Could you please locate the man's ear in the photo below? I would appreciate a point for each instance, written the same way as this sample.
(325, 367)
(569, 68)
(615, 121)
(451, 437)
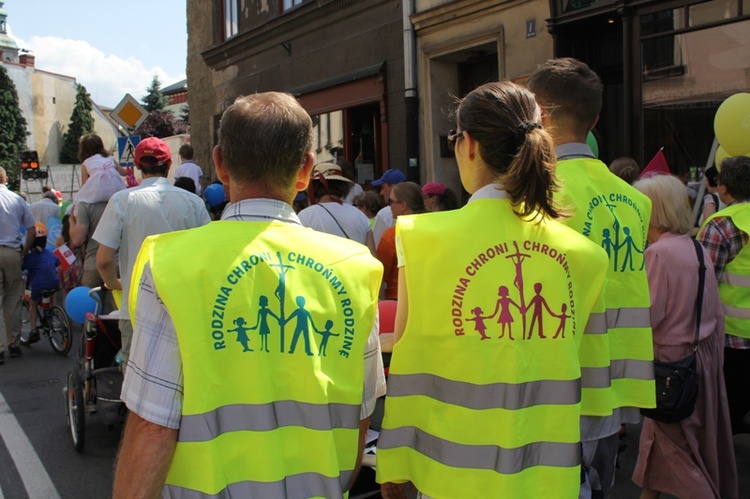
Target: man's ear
(303, 176)
(595, 122)
(221, 170)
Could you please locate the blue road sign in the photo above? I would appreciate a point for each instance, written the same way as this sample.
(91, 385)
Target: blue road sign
(126, 147)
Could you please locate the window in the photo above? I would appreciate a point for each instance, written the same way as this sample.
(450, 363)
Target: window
(288, 4)
(230, 18)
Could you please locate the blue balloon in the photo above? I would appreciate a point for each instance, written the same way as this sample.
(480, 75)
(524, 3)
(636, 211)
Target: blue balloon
(214, 195)
(78, 303)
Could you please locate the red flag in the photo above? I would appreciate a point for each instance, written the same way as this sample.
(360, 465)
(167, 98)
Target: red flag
(657, 166)
(66, 257)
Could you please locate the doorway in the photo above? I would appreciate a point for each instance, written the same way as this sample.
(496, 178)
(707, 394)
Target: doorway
(598, 41)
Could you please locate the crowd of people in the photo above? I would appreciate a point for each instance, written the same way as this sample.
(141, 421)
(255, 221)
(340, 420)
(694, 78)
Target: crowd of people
(530, 309)
(105, 220)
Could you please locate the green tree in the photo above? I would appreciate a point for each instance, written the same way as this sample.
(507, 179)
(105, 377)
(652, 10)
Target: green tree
(81, 123)
(185, 114)
(12, 129)
(154, 100)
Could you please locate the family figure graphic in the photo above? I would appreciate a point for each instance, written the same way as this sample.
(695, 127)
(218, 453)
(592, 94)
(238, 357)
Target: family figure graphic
(537, 307)
(302, 317)
(613, 247)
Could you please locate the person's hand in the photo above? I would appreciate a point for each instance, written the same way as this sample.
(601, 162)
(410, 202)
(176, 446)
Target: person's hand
(390, 490)
(117, 284)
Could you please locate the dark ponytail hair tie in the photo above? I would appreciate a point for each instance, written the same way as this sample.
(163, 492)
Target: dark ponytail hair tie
(526, 126)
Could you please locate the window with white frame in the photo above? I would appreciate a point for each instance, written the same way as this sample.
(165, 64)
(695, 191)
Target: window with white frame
(288, 4)
(230, 18)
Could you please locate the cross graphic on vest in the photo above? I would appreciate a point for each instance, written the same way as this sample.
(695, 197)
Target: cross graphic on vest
(280, 294)
(538, 306)
(517, 258)
(613, 247)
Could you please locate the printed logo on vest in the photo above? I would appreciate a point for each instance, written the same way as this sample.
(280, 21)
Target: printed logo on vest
(531, 304)
(624, 253)
(272, 318)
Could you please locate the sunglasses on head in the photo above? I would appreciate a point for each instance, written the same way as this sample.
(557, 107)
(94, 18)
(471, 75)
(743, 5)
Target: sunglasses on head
(453, 135)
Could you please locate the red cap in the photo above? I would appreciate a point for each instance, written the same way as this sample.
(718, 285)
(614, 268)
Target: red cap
(155, 151)
(433, 188)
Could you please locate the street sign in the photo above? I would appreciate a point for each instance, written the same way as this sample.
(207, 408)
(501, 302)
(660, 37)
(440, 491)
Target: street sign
(126, 147)
(129, 113)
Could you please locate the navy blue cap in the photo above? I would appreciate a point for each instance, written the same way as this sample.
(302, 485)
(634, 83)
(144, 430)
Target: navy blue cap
(390, 177)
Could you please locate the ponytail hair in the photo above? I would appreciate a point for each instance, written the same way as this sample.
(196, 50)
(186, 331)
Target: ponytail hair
(505, 120)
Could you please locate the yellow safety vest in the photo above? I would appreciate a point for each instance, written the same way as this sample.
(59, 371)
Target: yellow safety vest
(484, 386)
(734, 285)
(271, 320)
(615, 216)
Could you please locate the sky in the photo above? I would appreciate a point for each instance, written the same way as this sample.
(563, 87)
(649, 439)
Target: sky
(112, 48)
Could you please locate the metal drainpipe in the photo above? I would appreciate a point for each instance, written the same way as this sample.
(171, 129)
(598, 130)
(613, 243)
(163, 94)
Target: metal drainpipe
(411, 97)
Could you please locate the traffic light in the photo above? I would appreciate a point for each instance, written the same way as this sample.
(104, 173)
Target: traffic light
(30, 166)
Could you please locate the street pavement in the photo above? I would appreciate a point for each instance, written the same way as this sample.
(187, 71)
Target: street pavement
(37, 458)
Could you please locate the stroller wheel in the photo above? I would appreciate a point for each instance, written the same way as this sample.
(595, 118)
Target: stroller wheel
(76, 411)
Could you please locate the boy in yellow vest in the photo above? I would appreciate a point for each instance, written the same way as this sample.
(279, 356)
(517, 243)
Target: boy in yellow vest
(615, 216)
(212, 413)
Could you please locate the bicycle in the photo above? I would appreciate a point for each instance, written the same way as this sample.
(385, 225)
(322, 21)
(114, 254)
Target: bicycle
(53, 323)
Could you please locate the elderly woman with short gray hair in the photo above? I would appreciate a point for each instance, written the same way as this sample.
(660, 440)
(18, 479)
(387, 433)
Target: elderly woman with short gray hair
(692, 458)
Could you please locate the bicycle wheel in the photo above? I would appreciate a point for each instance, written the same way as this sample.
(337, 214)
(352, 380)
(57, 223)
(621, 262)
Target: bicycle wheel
(76, 410)
(60, 336)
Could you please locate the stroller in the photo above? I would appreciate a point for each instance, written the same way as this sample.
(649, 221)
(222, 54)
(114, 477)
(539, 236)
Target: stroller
(94, 388)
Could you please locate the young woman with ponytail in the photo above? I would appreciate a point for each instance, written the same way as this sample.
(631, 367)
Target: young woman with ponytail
(484, 385)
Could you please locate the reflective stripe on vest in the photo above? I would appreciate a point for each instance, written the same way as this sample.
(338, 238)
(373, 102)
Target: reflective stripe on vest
(482, 457)
(615, 216)
(736, 312)
(597, 324)
(600, 377)
(492, 396)
(734, 284)
(302, 485)
(736, 279)
(267, 417)
(638, 317)
(271, 328)
(635, 317)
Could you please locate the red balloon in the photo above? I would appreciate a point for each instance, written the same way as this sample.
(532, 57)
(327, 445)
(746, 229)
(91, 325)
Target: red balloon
(387, 311)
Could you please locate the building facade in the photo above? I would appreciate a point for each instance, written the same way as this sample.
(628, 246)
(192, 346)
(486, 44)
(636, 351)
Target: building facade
(177, 98)
(47, 101)
(343, 59)
(382, 79)
(666, 66)
(461, 45)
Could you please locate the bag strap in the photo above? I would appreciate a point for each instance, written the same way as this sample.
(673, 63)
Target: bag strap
(334, 219)
(701, 285)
